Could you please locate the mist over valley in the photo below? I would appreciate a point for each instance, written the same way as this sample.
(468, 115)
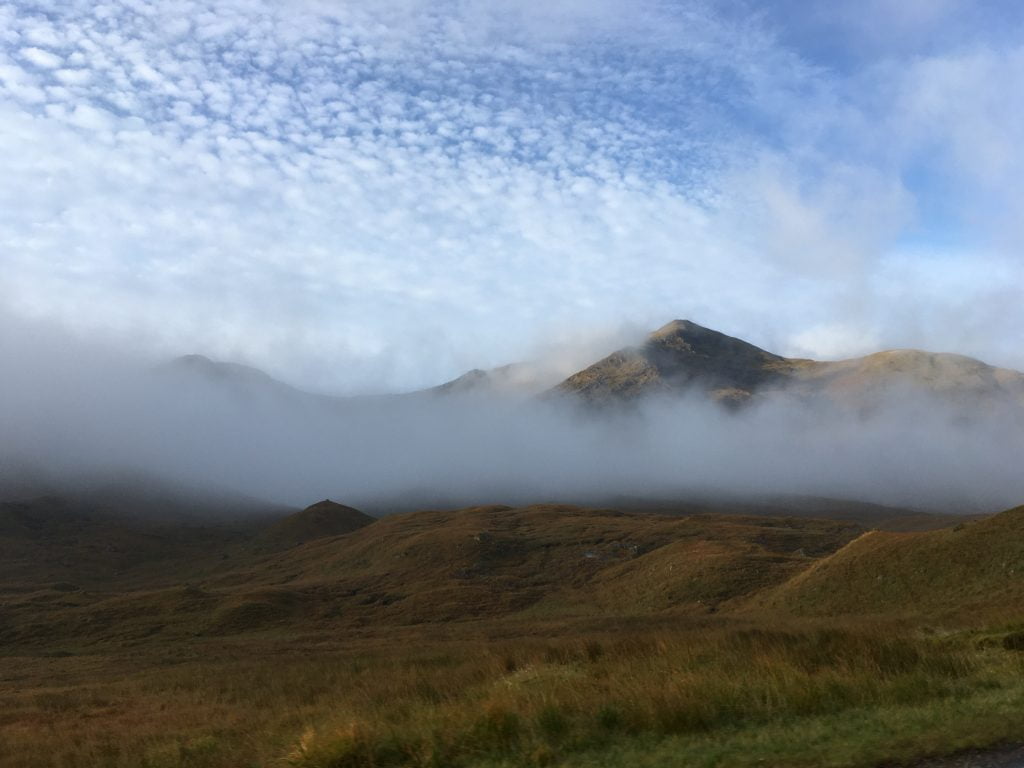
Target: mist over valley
(687, 413)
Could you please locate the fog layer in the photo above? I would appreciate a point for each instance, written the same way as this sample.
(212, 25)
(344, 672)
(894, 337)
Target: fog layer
(70, 410)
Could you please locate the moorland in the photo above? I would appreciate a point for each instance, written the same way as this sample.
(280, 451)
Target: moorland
(545, 635)
(144, 626)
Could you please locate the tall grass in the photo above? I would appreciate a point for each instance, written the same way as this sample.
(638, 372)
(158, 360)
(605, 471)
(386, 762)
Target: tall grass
(531, 703)
(455, 700)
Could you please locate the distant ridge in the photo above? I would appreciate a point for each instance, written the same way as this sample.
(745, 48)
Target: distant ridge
(236, 375)
(683, 356)
(516, 379)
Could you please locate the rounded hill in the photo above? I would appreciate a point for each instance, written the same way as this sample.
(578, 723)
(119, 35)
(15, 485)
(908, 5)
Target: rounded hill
(318, 521)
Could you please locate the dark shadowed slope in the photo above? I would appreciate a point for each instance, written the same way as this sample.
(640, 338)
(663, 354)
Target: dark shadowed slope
(75, 544)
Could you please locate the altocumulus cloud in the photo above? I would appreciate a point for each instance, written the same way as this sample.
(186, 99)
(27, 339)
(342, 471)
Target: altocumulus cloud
(377, 195)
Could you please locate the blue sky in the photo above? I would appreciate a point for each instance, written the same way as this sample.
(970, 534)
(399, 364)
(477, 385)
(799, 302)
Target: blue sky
(380, 195)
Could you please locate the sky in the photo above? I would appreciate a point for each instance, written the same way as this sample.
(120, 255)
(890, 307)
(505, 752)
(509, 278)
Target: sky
(367, 196)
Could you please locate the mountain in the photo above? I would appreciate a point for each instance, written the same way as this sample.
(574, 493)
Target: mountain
(199, 374)
(685, 357)
(233, 374)
(680, 356)
(516, 379)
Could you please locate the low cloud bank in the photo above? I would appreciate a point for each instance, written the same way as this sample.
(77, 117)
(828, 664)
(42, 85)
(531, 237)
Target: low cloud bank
(70, 410)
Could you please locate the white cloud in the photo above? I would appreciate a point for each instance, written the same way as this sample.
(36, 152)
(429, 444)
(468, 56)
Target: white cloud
(91, 118)
(43, 34)
(41, 58)
(73, 76)
(360, 196)
(832, 342)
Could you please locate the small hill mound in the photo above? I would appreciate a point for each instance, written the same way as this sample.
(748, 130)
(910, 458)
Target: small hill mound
(318, 521)
(971, 567)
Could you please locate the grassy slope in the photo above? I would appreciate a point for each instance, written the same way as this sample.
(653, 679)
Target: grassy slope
(498, 636)
(968, 569)
(556, 561)
(550, 560)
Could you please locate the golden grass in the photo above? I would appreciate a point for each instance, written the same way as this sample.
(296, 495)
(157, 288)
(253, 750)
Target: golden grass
(967, 571)
(486, 694)
(543, 704)
(542, 636)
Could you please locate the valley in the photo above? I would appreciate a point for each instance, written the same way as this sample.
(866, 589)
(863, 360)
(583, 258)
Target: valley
(544, 635)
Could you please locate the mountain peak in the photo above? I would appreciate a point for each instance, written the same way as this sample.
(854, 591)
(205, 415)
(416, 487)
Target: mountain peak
(699, 336)
(678, 356)
(680, 326)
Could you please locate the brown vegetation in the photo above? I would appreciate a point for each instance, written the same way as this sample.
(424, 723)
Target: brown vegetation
(498, 636)
(968, 570)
